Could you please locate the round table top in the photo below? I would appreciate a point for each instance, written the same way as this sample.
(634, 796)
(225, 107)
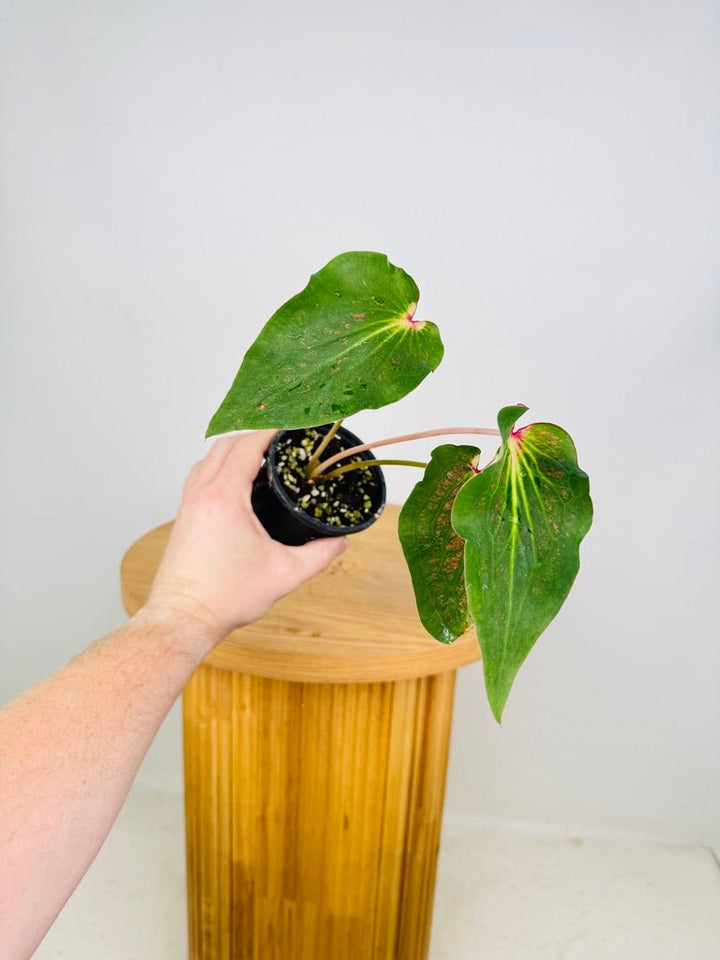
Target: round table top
(354, 623)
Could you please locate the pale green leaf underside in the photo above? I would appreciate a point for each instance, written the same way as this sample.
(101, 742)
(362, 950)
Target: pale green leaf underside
(433, 551)
(344, 344)
(523, 518)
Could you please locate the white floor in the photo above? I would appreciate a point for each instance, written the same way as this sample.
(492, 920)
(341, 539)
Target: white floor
(501, 895)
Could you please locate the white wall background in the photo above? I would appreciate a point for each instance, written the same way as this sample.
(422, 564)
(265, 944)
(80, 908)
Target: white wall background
(548, 172)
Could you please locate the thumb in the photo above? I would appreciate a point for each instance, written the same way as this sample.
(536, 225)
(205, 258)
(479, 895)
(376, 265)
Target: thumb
(314, 556)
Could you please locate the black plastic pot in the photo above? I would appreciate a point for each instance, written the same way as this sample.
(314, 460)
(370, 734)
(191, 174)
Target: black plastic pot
(288, 523)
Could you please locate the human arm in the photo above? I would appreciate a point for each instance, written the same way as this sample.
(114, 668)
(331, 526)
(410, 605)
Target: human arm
(70, 747)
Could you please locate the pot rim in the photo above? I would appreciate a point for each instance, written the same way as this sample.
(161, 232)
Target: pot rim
(318, 526)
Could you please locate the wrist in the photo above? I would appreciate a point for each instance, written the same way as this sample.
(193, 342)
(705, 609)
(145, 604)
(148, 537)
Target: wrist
(187, 632)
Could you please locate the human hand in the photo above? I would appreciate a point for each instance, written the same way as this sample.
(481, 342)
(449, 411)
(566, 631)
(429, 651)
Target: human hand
(220, 567)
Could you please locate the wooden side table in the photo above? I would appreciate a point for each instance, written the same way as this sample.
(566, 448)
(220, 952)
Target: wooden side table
(316, 745)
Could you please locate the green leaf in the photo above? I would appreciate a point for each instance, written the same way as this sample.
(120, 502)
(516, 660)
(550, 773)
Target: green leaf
(523, 518)
(347, 342)
(506, 419)
(433, 551)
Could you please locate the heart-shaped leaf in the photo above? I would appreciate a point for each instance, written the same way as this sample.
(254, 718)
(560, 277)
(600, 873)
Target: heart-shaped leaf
(433, 551)
(523, 518)
(347, 342)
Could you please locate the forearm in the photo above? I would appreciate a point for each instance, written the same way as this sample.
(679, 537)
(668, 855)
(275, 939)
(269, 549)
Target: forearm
(70, 747)
(69, 750)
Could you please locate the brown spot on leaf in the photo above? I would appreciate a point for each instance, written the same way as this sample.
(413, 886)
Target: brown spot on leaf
(451, 564)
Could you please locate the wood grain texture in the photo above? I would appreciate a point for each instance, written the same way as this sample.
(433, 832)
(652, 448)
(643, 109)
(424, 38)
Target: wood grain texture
(316, 745)
(313, 815)
(355, 623)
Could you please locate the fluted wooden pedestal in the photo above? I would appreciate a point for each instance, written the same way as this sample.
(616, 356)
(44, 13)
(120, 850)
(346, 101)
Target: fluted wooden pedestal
(316, 748)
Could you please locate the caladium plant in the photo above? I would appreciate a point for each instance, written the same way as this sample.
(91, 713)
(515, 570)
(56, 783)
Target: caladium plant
(494, 546)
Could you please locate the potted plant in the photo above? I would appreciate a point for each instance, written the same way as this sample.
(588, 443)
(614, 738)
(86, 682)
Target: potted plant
(496, 546)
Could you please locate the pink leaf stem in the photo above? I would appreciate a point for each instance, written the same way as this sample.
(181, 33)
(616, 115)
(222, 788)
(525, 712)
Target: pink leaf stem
(441, 432)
